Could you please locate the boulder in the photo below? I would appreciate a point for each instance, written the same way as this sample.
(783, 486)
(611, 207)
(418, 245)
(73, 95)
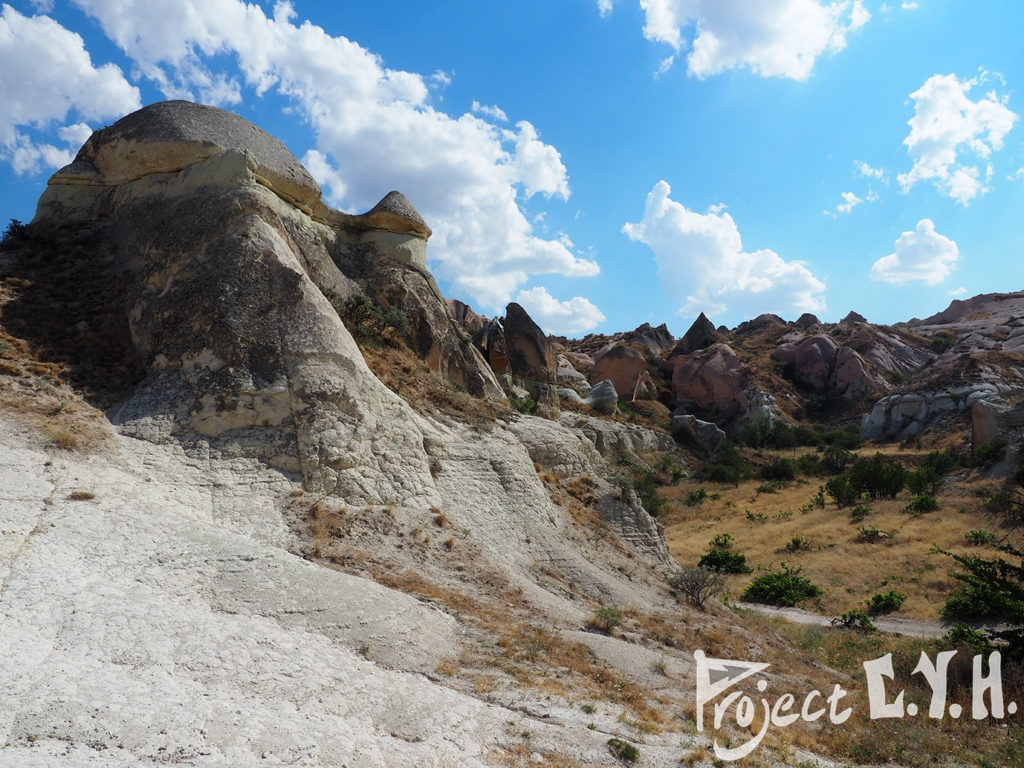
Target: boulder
(819, 363)
(569, 376)
(853, 377)
(814, 360)
(624, 366)
(581, 362)
(711, 381)
(529, 353)
(704, 436)
(602, 397)
(853, 317)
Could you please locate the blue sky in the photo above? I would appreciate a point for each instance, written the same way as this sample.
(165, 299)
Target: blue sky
(603, 162)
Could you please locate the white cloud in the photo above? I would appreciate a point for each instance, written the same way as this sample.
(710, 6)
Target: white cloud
(908, 6)
(493, 112)
(921, 256)
(562, 317)
(604, 7)
(945, 126)
(701, 262)
(772, 38)
(868, 172)
(664, 66)
(957, 291)
(375, 130)
(538, 165)
(850, 201)
(51, 76)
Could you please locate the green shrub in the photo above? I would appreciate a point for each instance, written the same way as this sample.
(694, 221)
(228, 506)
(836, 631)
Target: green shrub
(841, 490)
(13, 231)
(647, 489)
(979, 537)
(923, 481)
(371, 324)
(921, 504)
(786, 587)
(623, 750)
(724, 561)
(858, 513)
(797, 544)
(697, 585)
(885, 602)
(855, 620)
(727, 465)
(988, 455)
(696, 498)
(835, 459)
(810, 464)
(767, 488)
(523, 404)
(722, 541)
(871, 534)
(880, 477)
(780, 469)
(606, 618)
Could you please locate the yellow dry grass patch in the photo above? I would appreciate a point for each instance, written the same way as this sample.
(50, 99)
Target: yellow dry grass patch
(838, 559)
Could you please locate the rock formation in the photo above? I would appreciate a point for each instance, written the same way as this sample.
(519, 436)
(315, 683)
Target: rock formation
(231, 256)
(469, 320)
(529, 354)
(819, 363)
(701, 334)
(712, 382)
(625, 367)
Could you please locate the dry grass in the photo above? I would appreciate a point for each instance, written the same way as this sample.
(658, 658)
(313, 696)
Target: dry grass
(837, 559)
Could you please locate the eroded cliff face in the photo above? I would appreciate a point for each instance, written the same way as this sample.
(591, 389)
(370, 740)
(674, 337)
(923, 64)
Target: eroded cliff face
(231, 270)
(252, 438)
(230, 256)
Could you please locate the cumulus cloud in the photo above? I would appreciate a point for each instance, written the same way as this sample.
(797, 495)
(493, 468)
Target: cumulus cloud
(604, 7)
(946, 126)
(538, 165)
(957, 291)
(491, 111)
(772, 38)
(55, 78)
(702, 263)
(922, 256)
(375, 130)
(562, 317)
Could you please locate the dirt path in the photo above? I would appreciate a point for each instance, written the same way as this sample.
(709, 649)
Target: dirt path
(909, 627)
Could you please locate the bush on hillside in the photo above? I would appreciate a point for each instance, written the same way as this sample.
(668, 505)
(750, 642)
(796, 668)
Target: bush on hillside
(786, 588)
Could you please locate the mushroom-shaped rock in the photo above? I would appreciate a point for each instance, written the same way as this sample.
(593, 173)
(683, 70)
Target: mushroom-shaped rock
(395, 213)
(171, 135)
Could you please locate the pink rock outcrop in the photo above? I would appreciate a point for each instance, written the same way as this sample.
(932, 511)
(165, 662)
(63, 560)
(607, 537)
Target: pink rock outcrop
(711, 381)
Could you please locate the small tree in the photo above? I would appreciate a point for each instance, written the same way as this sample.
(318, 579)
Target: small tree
(697, 585)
